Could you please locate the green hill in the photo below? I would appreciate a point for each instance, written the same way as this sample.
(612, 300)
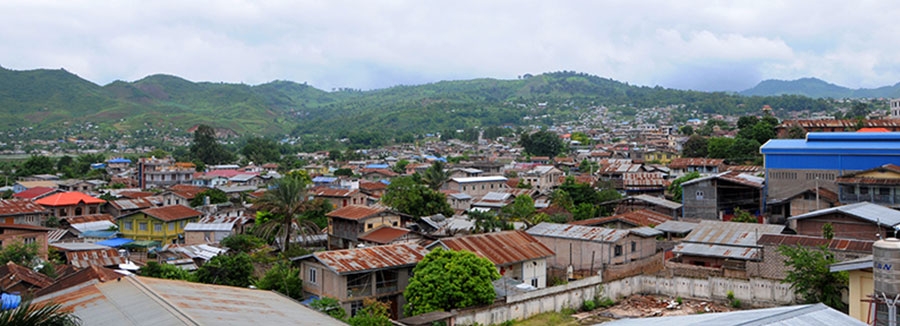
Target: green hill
(51, 99)
(817, 88)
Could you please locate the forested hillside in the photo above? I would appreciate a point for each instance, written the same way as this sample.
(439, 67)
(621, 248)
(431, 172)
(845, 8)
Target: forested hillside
(51, 99)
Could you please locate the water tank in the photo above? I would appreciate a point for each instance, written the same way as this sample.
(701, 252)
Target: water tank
(886, 263)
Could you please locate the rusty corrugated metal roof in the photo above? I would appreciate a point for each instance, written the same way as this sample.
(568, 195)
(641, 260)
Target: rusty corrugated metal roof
(19, 207)
(172, 213)
(644, 217)
(355, 212)
(501, 248)
(97, 257)
(683, 162)
(807, 241)
(384, 235)
(331, 192)
(731, 233)
(349, 261)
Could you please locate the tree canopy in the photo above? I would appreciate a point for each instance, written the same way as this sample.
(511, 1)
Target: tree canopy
(233, 270)
(447, 279)
(810, 276)
(542, 143)
(207, 149)
(410, 197)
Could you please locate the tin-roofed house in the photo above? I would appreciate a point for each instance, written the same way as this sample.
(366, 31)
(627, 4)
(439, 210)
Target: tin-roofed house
(21, 211)
(516, 254)
(726, 246)
(352, 275)
(586, 249)
(347, 224)
(716, 197)
(862, 221)
(476, 186)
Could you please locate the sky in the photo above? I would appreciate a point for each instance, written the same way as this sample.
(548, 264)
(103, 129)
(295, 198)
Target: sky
(370, 44)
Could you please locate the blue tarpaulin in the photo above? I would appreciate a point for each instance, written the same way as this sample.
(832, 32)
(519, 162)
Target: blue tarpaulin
(115, 243)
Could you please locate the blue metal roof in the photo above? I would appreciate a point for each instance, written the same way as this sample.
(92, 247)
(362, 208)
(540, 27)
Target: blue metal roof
(833, 151)
(323, 179)
(377, 166)
(119, 160)
(116, 242)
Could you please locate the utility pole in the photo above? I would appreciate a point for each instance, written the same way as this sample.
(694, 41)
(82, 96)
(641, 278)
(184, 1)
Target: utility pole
(817, 193)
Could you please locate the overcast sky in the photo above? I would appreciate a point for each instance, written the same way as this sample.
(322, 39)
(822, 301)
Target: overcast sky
(366, 44)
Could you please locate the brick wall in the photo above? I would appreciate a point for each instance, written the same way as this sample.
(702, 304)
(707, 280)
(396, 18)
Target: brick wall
(846, 227)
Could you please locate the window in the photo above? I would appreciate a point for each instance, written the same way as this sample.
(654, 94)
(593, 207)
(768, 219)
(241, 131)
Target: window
(534, 282)
(633, 246)
(142, 226)
(157, 227)
(618, 250)
(312, 276)
(30, 240)
(699, 195)
(355, 306)
(369, 226)
(394, 223)
(172, 226)
(128, 225)
(863, 190)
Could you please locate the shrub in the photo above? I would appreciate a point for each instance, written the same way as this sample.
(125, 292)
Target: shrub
(730, 295)
(605, 302)
(736, 303)
(678, 299)
(589, 305)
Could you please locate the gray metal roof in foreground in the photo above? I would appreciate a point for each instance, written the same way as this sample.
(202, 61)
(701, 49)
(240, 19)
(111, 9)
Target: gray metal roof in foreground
(135, 300)
(802, 315)
(576, 232)
(659, 201)
(731, 233)
(864, 210)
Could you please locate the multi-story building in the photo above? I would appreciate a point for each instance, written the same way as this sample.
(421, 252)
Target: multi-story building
(155, 172)
(476, 186)
(347, 224)
(164, 224)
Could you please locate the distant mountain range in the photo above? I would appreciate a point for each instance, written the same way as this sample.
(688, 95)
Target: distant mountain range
(57, 103)
(817, 88)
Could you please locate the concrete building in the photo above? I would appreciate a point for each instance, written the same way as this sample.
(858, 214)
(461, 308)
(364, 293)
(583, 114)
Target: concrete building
(163, 172)
(476, 186)
(586, 248)
(726, 245)
(863, 221)
(347, 224)
(717, 196)
(21, 211)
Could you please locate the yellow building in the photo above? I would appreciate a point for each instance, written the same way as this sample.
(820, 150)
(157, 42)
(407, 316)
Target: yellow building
(164, 224)
(861, 285)
(662, 157)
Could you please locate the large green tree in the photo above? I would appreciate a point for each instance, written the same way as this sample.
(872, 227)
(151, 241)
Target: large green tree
(435, 176)
(234, 270)
(285, 204)
(675, 187)
(447, 279)
(522, 209)
(261, 150)
(166, 271)
(284, 279)
(810, 276)
(695, 146)
(542, 143)
(410, 197)
(216, 196)
(36, 164)
(207, 149)
(373, 313)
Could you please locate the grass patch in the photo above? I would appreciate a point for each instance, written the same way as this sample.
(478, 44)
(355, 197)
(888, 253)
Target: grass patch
(548, 318)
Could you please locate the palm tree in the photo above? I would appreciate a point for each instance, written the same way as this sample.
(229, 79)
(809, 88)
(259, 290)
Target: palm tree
(41, 314)
(435, 176)
(286, 201)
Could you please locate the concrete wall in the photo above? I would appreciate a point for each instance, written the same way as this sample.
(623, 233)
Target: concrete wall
(754, 292)
(788, 182)
(845, 226)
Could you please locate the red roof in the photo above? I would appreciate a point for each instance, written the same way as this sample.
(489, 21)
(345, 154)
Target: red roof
(14, 274)
(331, 192)
(186, 191)
(370, 186)
(355, 212)
(808, 241)
(501, 248)
(384, 235)
(171, 213)
(384, 172)
(19, 207)
(644, 217)
(683, 162)
(69, 198)
(873, 130)
(34, 192)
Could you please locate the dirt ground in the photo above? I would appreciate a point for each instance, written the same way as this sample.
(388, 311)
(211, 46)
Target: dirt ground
(638, 306)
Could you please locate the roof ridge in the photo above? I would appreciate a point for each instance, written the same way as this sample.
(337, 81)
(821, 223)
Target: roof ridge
(153, 295)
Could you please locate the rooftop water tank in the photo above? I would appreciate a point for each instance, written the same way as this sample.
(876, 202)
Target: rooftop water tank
(886, 263)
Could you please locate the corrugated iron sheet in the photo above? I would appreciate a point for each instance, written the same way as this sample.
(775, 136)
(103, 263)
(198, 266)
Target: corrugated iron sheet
(357, 260)
(731, 233)
(502, 248)
(384, 235)
(684, 162)
(355, 212)
(577, 232)
(10, 207)
(714, 250)
(807, 241)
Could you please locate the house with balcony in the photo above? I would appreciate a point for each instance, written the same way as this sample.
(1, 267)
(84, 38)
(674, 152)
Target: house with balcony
(862, 221)
(164, 224)
(543, 177)
(347, 224)
(71, 203)
(352, 275)
(705, 166)
(163, 172)
(880, 185)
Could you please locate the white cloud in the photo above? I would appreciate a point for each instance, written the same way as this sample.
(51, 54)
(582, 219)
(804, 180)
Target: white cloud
(368, 44)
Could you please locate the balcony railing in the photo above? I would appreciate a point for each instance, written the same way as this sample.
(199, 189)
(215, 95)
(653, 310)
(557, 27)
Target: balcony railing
(876, 199)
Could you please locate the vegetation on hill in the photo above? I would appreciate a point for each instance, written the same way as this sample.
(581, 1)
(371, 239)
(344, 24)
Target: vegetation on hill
(817, 88)
(50, 100)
